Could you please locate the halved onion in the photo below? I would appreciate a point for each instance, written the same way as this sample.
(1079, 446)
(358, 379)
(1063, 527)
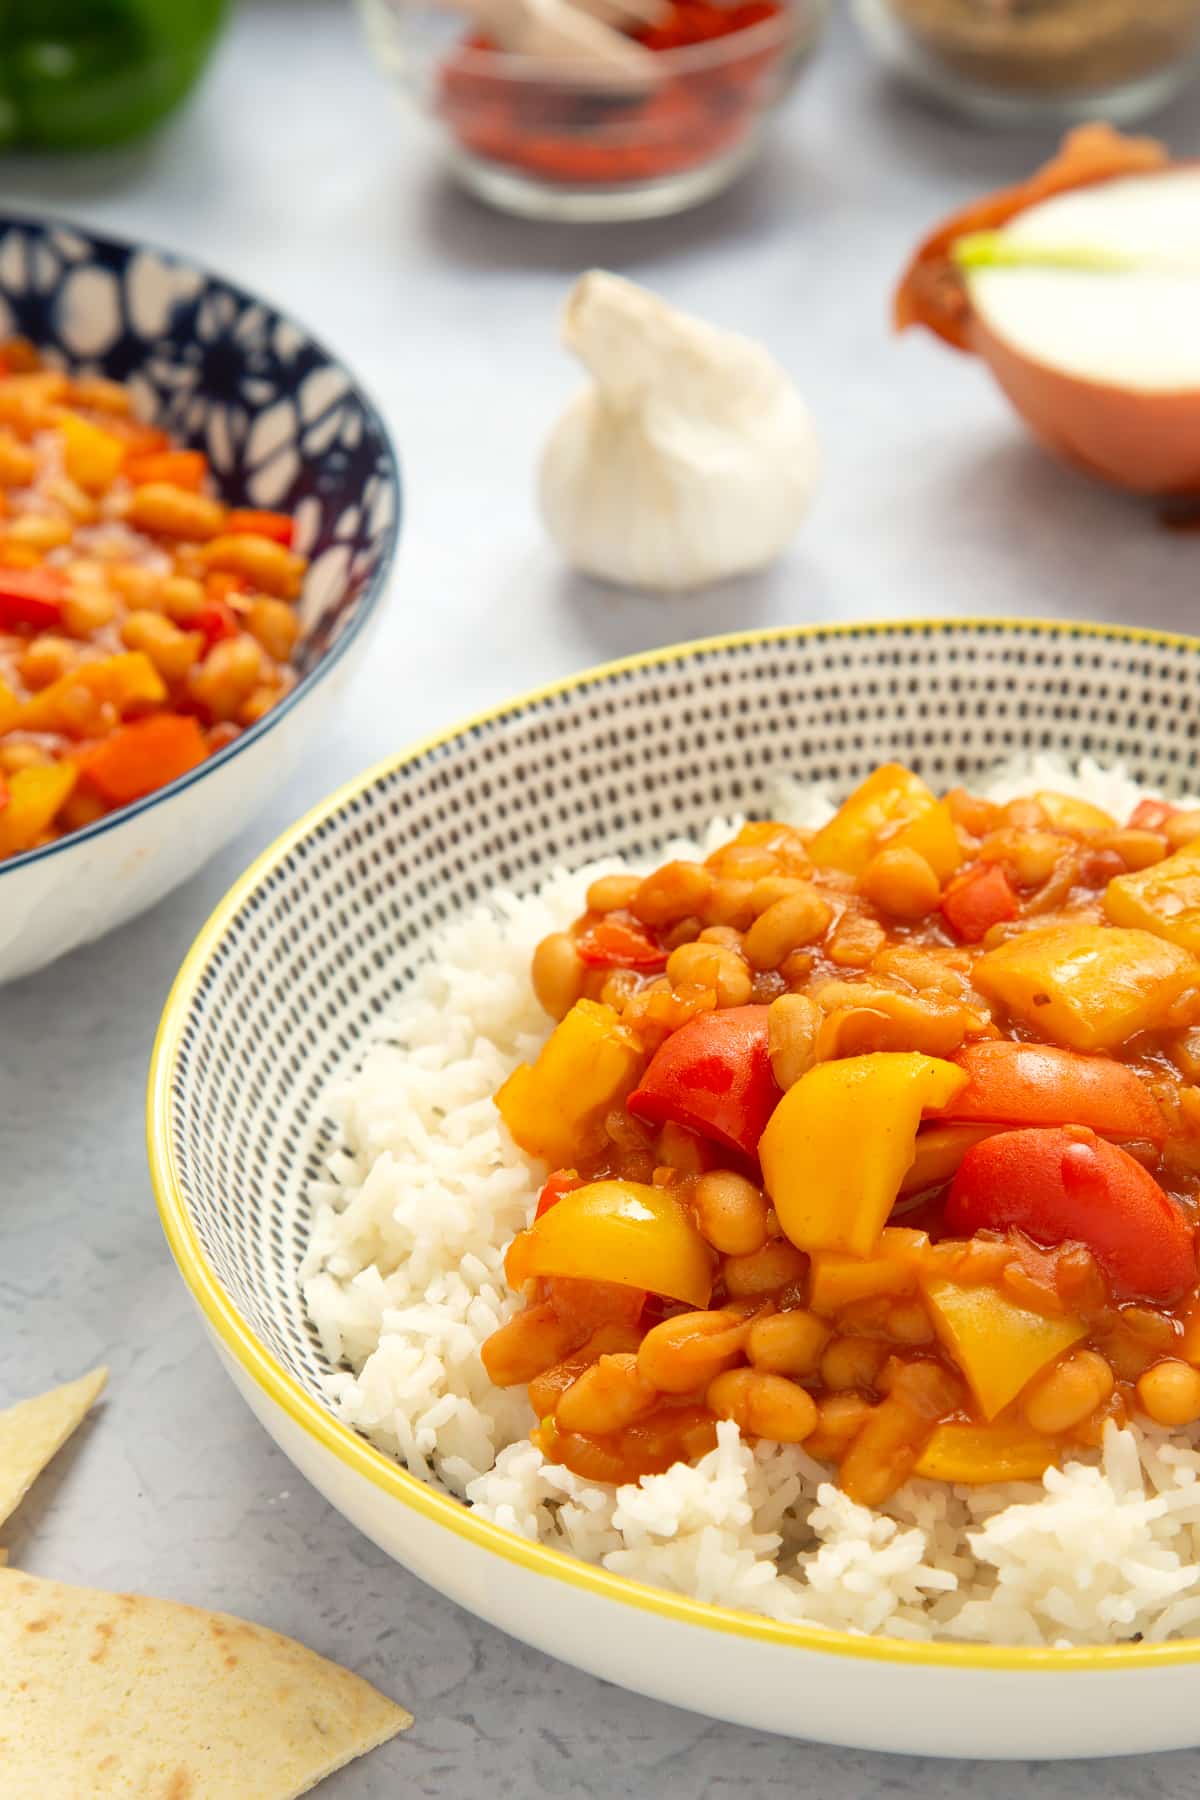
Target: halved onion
(1080, 289)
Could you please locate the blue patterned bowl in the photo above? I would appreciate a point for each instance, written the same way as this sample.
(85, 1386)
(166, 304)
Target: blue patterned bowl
(284, 425)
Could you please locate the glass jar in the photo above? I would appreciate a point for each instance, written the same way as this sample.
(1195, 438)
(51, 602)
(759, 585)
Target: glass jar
(1044, 61)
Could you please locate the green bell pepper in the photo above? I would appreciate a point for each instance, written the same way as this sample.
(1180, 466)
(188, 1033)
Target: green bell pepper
(79, 74)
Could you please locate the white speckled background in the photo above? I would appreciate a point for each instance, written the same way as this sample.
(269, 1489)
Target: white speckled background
(292, 172)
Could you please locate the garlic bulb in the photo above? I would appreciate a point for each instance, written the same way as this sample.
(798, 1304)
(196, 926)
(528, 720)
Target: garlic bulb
(691, 456)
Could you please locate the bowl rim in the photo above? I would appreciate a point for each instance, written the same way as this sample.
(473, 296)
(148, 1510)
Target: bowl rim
(361, 1458)
(797, 24)
(373, 593)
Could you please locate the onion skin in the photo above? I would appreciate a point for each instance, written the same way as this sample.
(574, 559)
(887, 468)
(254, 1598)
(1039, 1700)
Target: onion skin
(1148, 443)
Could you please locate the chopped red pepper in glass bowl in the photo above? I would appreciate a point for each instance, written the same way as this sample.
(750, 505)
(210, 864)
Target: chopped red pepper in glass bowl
(564, 140)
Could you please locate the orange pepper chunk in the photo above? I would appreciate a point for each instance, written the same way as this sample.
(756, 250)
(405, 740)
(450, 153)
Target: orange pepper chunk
(182, 468)
(138, 758)
(277, 526)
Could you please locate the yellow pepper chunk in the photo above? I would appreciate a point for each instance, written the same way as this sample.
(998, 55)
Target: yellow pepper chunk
(1164, 899)
(10, 706)
(932, 835)
(1073, 815)
(998, 1345)
(34, 797)
(1003, 1451)
(838, 1144)
(622, 1231)
(888, 800)
(836, 1280)
(1088, 987)
(939, 1150)
(555, 1107)
(91, 455)
(124, 680)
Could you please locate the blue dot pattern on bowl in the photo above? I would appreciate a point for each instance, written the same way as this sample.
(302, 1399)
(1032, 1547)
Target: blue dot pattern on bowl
(281, 421)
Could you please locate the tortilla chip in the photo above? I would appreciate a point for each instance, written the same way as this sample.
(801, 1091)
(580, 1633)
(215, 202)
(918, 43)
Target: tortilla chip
(32, 1432)
(115, 1694)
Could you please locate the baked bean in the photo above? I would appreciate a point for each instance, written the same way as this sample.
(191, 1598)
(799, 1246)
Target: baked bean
(529, 1342)
(226, 677)
(160, 506)
(730, 1211)
(724, 935)
(617, 988)
(1031, 856)
(39, 531)
(711, 966)
(18, 464)
(789, 924)
(884, 1453)
(275, 625)
(1068, 1392)
(557, 974)
(612, 893)
(136, 585)
(181, 597)
(1169, 1393)
(901, 883)
(46, 659)
(1137, 849)
(607, 1397)
(852, 1362)
(854, 941)
(80, 506)
(793, 972)
(787, 1343)
(258, 702)
(87, 609)
(673, 892)
(100, 394)
(265, 564)
(686, 1352)
(763, 1405)
(15, 757)
(730, 903)
(1183, 828)
(744, 862)
(764, 1271)
(173, 652)
(840, 1418)
(772, 888)
(793, 1022)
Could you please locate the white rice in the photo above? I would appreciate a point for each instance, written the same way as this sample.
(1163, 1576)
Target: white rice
(404, 1280)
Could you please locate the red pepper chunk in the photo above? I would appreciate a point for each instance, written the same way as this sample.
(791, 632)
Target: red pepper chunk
(561, 1182)
(274, 525)
(1039, 1084)
(714, 1077)
(1071, 1186)
(613, 944)
(977, 900)
(217, 621)
(31, 596)
(1151, 815)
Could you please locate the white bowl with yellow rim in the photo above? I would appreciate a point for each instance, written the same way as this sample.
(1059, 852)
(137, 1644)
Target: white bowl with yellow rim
(274, 998)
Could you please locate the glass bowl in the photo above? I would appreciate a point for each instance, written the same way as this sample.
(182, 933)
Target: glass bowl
(1040, 61)
(558, 141)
